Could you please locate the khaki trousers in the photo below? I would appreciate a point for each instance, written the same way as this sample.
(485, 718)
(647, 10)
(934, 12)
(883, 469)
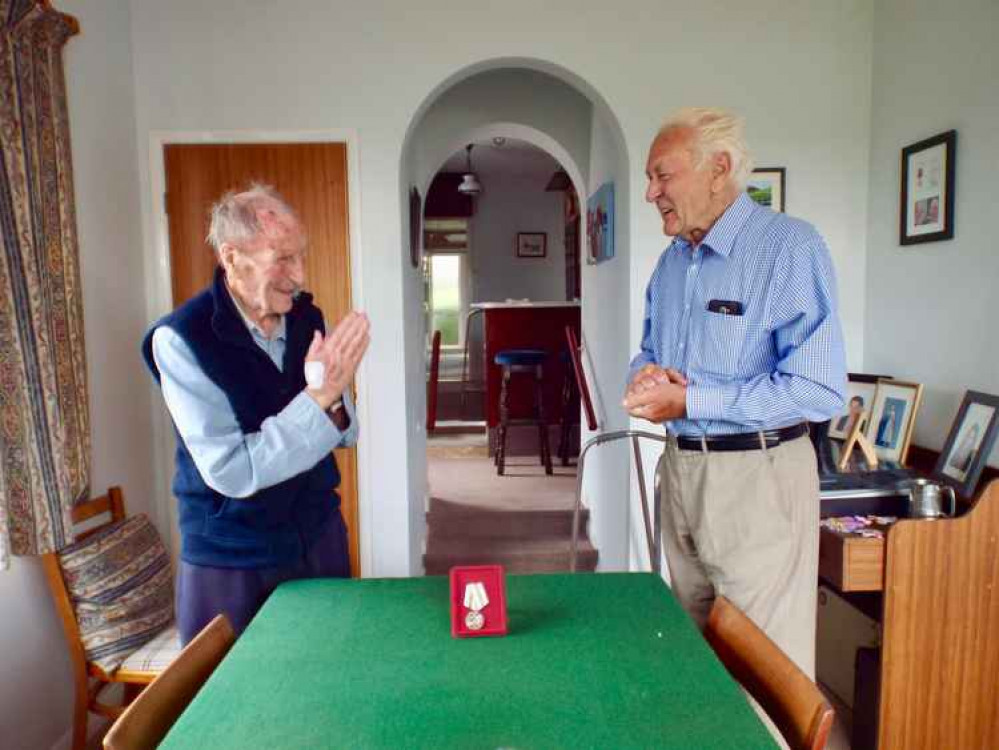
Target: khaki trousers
(745, 524)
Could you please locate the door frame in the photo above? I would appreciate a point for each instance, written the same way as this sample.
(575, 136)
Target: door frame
(159, 296)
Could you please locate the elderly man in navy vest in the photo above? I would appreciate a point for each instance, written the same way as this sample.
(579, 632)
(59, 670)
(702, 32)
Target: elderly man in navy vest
(256, 479)
(741, 347)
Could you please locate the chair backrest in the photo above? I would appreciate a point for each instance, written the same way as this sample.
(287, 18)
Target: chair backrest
(792, 701)
(149, 717)
(113, 506)
(940, 658)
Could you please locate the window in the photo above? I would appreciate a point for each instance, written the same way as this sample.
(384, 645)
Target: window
(447, 274)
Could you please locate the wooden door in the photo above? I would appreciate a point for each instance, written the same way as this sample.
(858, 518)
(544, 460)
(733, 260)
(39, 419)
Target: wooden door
(312, 177)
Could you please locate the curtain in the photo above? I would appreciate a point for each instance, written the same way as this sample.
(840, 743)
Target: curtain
(44, 423)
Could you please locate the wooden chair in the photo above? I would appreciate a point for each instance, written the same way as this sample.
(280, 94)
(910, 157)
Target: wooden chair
(90, 680)
(147, 720)
(792, 701)
(940, 654)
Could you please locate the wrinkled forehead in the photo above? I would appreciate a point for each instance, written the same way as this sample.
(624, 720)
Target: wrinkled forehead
(279, 229)
(674, 146)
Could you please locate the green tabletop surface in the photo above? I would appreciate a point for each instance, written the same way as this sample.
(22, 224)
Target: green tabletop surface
(603, 660)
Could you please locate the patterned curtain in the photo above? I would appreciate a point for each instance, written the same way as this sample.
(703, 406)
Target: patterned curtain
(44, 424)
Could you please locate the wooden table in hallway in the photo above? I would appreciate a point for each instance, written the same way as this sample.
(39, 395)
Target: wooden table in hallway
(591, 661)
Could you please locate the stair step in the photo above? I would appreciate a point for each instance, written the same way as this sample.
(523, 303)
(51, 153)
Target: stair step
(447, 519)
(541, 555)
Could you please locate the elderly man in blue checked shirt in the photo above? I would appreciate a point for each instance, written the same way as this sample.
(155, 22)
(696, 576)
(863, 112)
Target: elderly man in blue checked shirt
(741, 347)
(255, 477)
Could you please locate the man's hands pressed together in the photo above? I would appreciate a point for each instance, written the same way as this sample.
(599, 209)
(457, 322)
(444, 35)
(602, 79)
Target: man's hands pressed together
(657, 394)
(340, 353)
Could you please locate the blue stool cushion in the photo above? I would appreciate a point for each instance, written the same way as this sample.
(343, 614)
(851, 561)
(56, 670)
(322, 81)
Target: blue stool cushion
(520, 357)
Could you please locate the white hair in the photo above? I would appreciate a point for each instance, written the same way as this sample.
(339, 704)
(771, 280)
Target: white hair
(235, 219)
(714, 130)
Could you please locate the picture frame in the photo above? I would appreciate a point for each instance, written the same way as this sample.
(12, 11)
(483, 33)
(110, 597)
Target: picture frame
(969, 443)
(860, 391)
(767, 186)
(415, 220)
(532, 244)
(893, 415)
(600, 225)
(927, 190)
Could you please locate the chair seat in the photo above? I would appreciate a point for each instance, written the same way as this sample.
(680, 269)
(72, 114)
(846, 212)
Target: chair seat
(522, 357)
(155, 655)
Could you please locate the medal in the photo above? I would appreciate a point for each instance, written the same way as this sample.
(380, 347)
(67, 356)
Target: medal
(475, 600)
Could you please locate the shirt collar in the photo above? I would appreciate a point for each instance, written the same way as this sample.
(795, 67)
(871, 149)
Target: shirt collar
(723, 232)
(253, 328)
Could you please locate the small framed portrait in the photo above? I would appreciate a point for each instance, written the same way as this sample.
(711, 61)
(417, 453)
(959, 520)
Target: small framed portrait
(766, 187)
(860, 388)
(893, 415)
(969, 443)
(927, 190)
(532, 244)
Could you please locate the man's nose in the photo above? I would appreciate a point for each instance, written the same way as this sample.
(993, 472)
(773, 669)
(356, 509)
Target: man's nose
(297, 270)
(651, 192)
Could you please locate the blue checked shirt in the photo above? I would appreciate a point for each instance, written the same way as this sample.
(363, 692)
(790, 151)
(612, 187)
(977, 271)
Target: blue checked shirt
(779, 363)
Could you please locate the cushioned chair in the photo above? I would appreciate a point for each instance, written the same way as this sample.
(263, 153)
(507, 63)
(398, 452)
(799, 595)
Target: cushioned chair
(149, 717)
(792, 701)
(126, 600)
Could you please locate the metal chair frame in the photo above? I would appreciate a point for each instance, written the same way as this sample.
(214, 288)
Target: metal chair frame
(653, 528)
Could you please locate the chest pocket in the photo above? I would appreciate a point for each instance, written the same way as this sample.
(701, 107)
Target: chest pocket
(722, 339)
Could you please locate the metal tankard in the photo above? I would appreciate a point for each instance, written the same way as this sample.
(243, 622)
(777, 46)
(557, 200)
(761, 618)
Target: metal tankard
(925, 499)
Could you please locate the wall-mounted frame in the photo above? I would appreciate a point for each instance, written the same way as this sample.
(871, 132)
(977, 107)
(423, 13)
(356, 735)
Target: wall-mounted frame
(860, 390)
(766, 186)
(600, 224)
(927, 191)
(893, 415)
(532, 244)
(969, 443)
(415, 219)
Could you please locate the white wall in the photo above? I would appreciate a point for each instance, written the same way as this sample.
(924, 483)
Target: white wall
(931, 313)
(36, 690)
(302, 65)
(510, 205)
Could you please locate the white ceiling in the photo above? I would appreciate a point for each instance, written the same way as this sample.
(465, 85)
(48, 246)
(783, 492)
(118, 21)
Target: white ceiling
(511, 157)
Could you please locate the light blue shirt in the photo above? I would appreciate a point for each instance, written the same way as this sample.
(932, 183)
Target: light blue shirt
(782, 360)
(231, 462)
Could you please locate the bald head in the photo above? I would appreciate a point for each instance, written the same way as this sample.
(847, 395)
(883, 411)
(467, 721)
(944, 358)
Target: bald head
(247, 218)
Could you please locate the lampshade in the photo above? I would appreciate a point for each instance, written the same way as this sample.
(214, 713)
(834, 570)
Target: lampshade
(559, 181)
(470, 184)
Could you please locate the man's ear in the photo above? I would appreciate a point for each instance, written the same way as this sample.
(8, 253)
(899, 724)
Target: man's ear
(227, 256)
(721, 170)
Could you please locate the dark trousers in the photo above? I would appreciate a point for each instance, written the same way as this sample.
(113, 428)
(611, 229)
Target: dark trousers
(204, 592)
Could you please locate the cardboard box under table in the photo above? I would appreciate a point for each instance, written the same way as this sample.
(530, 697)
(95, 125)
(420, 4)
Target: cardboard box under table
(590, 661)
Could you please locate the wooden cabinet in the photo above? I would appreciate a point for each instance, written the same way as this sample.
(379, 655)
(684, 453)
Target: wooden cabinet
(851, 562)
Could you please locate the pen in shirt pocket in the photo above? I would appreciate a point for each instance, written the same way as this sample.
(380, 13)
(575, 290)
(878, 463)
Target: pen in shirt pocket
(725, 307)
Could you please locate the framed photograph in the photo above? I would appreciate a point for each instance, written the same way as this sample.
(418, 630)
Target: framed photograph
(969, 443)
(532, 244)
(927, 200)
(893, 416)
(860, 388)
(415, 217)
(766, 187)
(600, 224)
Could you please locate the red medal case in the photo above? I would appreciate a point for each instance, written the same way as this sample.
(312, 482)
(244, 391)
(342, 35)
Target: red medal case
(491, 577)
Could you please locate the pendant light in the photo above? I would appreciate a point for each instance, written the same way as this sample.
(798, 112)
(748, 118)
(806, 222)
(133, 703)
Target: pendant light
(470, 184)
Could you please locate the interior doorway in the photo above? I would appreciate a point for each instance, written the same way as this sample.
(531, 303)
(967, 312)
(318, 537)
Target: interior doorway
(313, 178)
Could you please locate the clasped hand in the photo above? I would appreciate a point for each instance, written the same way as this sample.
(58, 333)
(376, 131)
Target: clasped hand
(340, 352)
(657, 394)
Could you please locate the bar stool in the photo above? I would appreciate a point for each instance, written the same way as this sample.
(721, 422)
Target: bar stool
(522, 362)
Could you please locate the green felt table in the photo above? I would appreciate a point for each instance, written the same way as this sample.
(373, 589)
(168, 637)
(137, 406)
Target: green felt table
(590, 661)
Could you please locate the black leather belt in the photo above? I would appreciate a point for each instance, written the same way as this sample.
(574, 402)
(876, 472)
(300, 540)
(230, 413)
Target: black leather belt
(743, 441)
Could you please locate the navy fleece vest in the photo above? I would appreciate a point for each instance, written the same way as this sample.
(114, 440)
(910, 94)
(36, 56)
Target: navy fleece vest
(275, 526)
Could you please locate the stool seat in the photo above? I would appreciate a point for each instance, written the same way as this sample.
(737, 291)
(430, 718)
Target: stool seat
(520, 357)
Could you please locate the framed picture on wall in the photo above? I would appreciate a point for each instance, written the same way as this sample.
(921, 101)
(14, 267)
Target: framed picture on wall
(860, 389)
(532, 244)
(600, 224)
(893, 416)
(927, 191)
(415, 217)
(766, 187)
(969, 443)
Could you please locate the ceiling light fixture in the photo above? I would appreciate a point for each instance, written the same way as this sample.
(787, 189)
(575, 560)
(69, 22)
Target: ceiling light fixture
(470, 184)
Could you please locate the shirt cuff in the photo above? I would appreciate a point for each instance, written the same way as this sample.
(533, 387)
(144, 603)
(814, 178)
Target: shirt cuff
(705, 402)
(309, 417)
